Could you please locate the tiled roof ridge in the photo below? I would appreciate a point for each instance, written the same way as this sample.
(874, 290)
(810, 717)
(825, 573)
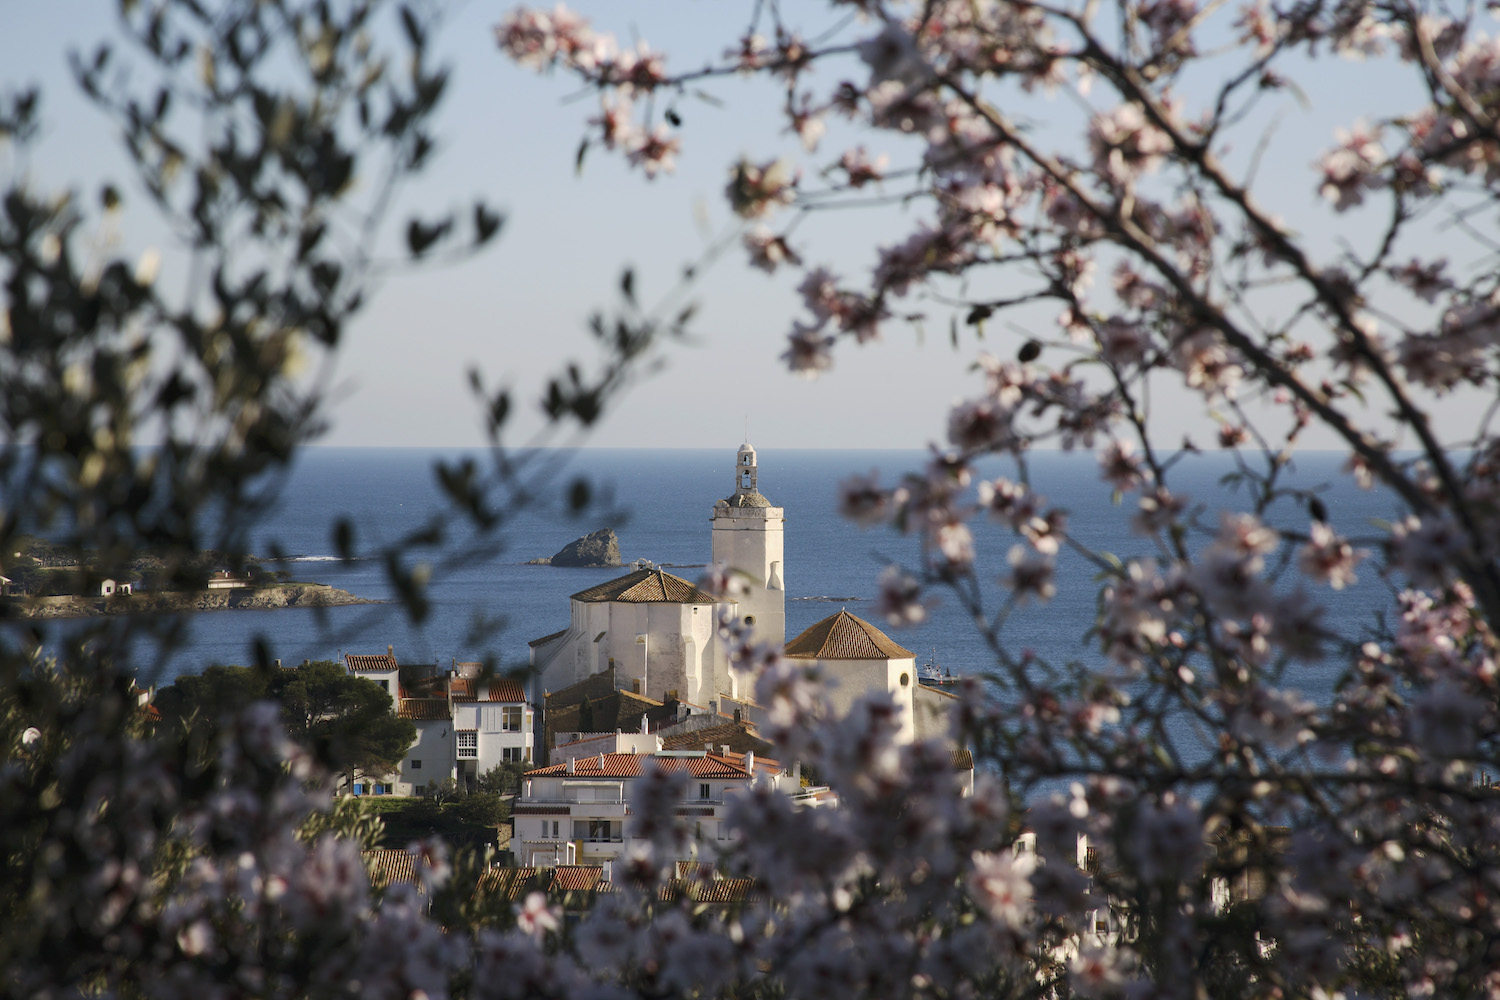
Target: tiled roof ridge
(366, 662)
(645, 586)
(630, 765)
(844, 636)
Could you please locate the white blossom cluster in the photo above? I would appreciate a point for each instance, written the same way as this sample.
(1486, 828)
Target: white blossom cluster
(1250, 839)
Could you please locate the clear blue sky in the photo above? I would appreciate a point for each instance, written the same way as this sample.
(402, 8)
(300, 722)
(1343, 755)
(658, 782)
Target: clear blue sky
(520, 309)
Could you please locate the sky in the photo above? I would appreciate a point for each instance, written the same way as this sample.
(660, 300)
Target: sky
(518, 311)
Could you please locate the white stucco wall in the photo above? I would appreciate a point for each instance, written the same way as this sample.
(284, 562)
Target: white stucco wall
(434, 748)
(752, 540)
(850, 679)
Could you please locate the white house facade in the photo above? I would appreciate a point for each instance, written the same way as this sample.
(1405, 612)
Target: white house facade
(578, 811)
(466, 723)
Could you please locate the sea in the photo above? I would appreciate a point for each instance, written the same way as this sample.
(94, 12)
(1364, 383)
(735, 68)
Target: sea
(488, 603)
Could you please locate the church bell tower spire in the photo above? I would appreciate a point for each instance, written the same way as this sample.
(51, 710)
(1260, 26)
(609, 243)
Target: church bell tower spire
(747, 537)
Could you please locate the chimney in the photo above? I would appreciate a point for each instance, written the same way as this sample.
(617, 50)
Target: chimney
(750, 762)
(797, 774)
(601, 761)
(390, 650)
(572, 765)
(708, 748)
(724, 749)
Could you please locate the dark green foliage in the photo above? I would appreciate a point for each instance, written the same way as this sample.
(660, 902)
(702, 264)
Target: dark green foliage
(481, 808)
(346, 721)
(457, 823)
(504, 779)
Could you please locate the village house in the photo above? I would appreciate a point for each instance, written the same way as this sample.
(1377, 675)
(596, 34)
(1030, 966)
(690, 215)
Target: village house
(576, 811)
(467, 723)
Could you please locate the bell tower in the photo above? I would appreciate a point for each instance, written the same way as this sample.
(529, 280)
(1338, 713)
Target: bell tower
(747, 536)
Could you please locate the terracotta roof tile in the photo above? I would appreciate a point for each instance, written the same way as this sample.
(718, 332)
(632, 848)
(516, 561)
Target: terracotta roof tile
(629, 765)
(646, 586)
(702, 870)
(424, 709)
(738, 736)
(505, 689)
(389, 866)
(576, 878)
(719, 890)
(845, 637)
(366, 664)
(513, 883)
(461, 688)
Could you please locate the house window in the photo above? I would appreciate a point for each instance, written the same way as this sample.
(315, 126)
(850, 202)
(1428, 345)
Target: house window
(510, 719)
(554, 829)
(705, 792)
(416, 765)
(421, 789)
(511, 754)
(599, 830)
(468, 745)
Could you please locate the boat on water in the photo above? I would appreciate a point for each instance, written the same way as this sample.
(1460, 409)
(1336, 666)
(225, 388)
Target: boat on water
(933, 675)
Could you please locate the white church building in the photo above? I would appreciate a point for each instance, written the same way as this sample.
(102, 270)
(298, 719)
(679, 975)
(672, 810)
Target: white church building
(659, 631)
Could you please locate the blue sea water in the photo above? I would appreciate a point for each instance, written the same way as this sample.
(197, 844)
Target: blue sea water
(666, 498)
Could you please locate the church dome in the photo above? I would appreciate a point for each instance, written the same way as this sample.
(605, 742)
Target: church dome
(746, 498)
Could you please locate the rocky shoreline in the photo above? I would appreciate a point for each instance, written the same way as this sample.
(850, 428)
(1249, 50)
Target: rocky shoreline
(294, 595)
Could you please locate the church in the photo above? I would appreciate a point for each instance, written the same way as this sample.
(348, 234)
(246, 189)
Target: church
(656, 633)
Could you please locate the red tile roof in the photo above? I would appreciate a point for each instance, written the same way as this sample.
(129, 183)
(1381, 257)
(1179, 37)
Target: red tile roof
(738, 736)
(514, 883)
(629, 765)
(646, 586)
(364, 664)
(576, 878)
(424, 709)
(388, 866)
(719, 890)
(702, 870)
(845, 637)
(461, 688)
(505, 689)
